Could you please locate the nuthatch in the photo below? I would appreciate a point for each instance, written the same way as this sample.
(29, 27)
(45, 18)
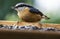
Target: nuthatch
(28, 13)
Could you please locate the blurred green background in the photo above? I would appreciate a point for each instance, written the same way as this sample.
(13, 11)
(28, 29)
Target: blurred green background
(6, 13)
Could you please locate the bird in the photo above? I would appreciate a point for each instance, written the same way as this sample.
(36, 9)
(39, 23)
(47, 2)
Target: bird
(28, 13)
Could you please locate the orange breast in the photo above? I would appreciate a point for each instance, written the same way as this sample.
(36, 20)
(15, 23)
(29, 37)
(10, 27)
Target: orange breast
(25, 15)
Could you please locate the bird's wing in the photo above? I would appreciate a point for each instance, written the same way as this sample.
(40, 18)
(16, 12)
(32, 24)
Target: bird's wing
(36, 11)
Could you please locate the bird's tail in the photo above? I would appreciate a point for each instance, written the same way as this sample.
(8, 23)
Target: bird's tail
(44, 16)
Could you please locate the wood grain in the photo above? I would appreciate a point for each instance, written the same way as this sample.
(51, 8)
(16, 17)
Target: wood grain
(23, 34)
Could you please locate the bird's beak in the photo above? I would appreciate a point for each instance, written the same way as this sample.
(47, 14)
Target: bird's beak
(13, 7)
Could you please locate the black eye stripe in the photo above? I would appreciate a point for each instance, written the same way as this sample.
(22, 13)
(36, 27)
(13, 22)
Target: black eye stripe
(18, 6)
(23, 6)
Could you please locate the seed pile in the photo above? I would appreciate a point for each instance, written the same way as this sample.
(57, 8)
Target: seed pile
(28, 28)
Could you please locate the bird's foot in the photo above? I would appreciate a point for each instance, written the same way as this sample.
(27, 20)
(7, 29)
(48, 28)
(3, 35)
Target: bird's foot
(16, 24)
(40, 26)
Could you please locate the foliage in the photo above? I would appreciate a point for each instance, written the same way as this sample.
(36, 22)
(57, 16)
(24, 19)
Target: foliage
(5, 7)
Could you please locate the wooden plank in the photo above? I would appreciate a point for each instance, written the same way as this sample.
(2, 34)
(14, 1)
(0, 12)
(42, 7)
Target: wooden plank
(18, 34)
(24, 34)
(22, 23)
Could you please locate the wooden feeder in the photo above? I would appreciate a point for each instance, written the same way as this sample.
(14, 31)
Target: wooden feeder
(24, 34)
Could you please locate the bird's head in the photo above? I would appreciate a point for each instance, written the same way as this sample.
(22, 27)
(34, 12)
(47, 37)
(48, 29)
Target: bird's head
(21, 6)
